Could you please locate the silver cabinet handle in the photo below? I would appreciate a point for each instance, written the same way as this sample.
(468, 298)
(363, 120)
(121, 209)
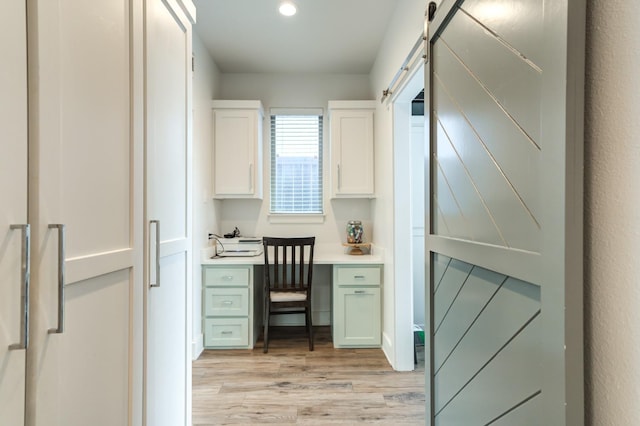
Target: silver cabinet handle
(359, 292)
(358, 277)
(227, 332)
(61, 256)
(157, 224)
(227, 278)
(25, 273)
(227, 302)
(339, 177)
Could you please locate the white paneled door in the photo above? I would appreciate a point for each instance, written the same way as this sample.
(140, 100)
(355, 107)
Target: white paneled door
(81, 195)
(505, 212)
(13, 213)
(168, 87)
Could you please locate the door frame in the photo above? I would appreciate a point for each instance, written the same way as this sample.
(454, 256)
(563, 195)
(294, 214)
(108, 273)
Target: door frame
(402, 223)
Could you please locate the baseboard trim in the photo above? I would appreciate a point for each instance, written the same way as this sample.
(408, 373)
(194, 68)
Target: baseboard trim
(197, 346)
(387, 349)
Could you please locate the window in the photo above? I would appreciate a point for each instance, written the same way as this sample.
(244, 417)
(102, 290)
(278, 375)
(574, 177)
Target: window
(296, 163)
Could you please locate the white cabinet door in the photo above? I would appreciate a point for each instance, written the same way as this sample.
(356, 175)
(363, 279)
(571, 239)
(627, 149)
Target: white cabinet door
(357, 317)
(237, 150)
(13, 193)
(81, 176)
(351, 150)
(168, 78)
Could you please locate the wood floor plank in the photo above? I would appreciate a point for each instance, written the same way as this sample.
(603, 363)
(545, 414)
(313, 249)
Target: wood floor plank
(291, 385)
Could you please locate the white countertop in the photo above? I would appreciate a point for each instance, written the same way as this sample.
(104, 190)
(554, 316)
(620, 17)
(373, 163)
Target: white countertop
(324, 254)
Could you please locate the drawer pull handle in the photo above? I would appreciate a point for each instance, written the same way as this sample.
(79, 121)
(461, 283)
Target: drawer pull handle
(227, 302)
(358, 277)
(227, 332)
(227, 278)
(359, 292)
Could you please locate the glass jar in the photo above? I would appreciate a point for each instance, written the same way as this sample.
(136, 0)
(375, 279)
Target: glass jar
(354, 232)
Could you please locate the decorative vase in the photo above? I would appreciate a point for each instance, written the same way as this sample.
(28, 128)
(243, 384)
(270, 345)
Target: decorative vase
(354, 232)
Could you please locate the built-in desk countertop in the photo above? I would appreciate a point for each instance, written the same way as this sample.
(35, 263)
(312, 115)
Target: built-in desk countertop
(323, 254)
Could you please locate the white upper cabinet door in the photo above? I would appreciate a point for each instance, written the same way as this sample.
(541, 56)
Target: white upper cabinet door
(505, 84)
(237, 149)
(81, 190)
(168, 214)
(13, 213)
(352, 166)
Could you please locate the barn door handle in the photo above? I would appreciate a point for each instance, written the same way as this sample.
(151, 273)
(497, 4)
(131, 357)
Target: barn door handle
(61, 256)
(157, 224)
(25, 272)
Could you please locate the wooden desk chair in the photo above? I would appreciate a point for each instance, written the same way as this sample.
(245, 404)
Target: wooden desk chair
(288, 270)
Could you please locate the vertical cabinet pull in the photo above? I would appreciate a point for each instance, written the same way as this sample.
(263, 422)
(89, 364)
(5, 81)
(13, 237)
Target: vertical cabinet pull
(250, 177)
(339, 178)
(61, 256)
(157, 224)
(25, 273)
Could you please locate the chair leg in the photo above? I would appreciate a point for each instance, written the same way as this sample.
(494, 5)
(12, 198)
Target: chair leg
(266, 328)
(309, 327)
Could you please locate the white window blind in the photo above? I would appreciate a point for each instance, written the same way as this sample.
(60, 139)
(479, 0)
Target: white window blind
(296, 164)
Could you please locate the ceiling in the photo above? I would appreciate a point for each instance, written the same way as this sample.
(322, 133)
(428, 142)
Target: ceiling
(325, 36)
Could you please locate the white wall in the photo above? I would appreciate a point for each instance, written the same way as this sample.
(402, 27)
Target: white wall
(295, 90)
(403, 31)
(612, 213)
(206, 86)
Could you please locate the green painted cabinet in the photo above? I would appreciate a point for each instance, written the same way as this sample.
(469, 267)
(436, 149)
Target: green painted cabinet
(356, 306)
(229, 320)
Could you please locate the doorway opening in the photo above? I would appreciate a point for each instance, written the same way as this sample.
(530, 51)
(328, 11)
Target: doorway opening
(410, 156)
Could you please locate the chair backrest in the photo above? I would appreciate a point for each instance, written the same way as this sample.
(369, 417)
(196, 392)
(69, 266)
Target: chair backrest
(288, 263)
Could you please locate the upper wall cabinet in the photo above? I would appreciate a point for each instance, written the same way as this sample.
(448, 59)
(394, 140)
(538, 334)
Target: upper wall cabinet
(351, 124)
(237, 149)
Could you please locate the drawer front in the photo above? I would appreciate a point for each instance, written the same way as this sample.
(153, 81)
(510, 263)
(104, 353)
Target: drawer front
(230, 301)
(226, 332)
(365, 275)
(226, 276)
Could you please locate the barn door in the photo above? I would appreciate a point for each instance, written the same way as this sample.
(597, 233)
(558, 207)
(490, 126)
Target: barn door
(505, 212)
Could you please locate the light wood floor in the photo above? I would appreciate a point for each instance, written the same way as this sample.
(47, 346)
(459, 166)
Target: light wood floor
(290, 385)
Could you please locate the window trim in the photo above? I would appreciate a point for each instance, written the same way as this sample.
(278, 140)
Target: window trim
(296, 218)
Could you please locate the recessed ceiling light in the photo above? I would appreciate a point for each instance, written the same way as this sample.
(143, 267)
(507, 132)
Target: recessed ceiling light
(287, 8)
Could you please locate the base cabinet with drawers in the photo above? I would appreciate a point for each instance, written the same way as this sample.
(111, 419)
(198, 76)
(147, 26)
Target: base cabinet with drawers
(229, 318)
(356, 306)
